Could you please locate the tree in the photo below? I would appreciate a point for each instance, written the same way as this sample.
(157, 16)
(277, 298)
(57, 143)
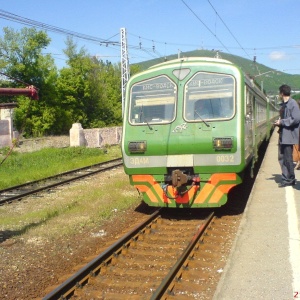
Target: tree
(107, 83)
(89, 89)
(73, 84)
(22, 60)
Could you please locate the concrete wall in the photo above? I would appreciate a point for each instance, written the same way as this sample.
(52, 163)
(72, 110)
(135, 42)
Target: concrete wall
(92, 138)
(5, 136)
(96, 137)
(6, 130)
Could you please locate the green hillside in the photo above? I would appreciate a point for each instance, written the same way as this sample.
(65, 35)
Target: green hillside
(268, 78)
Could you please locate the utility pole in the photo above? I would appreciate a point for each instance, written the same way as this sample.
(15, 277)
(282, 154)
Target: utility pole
(124, 65)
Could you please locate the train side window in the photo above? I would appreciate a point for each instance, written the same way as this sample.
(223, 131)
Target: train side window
(249, 101)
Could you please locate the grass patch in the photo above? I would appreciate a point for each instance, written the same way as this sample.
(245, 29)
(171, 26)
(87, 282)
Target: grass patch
(70, 209)
(19, 168)
(62, 214)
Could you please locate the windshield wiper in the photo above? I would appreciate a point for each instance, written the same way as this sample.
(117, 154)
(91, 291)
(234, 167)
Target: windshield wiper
(201, 118)
(148, 124)
(140, 117)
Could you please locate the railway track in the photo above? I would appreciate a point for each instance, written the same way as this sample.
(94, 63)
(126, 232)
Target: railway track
(159, 259)
(18, 192)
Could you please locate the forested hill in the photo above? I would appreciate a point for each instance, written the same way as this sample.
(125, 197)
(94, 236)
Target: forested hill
(270, 81)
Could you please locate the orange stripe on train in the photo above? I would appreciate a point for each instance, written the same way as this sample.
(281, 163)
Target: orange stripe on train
(215, 193)
(147, 189)
(212, 190)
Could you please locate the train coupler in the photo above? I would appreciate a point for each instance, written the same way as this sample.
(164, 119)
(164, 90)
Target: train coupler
(179, 178)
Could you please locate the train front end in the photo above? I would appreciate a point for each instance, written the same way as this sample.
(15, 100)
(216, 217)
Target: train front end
(181, 141)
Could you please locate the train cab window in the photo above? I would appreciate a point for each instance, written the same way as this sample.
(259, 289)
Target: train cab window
(209, 96)
(152, 101)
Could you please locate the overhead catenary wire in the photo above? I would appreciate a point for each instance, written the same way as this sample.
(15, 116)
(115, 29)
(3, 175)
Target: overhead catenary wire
(114, 45)
(101, 41)
(228, 29)
(205, 26)
(13, 17)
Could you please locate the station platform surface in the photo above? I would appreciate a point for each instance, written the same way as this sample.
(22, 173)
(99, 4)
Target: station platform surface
(264, 262)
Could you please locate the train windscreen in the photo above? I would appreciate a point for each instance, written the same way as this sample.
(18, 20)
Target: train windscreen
(153, 101)
(209, 96)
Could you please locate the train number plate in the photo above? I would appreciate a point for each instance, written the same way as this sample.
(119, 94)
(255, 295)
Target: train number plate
(225, 158)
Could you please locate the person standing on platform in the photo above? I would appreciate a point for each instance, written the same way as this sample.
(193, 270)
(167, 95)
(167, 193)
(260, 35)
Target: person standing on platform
(288, 135)
(296, 150)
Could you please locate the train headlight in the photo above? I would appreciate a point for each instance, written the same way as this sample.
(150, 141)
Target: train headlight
(223, 143)
(137, 147)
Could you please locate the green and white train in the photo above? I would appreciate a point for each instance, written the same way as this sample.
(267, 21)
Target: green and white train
(191, 127)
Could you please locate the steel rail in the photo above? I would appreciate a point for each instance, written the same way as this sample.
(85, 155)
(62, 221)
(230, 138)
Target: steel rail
(67, 288)
(28, 189)
(163, 288)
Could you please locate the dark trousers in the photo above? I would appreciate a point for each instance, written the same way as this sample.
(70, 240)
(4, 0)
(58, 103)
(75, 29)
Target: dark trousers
(285, 158)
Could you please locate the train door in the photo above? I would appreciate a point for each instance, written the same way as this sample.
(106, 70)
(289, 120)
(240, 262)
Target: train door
(249, 125)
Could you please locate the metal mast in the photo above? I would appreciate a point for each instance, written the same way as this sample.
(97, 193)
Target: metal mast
(124, 65)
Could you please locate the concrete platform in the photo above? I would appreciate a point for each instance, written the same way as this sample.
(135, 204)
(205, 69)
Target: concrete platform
(265, 259)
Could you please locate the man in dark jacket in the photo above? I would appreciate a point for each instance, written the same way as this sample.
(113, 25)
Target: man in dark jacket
(288, 135)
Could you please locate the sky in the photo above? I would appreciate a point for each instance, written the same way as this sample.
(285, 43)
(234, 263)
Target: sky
(268, 29)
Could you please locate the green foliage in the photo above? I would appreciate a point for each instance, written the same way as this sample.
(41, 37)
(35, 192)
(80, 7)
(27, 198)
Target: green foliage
(22, 60)
(21, 52)
(86, 90)
(89, 90)
(4, 151)
(296, 96)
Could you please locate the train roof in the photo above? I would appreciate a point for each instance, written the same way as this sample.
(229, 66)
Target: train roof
(194, 59)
